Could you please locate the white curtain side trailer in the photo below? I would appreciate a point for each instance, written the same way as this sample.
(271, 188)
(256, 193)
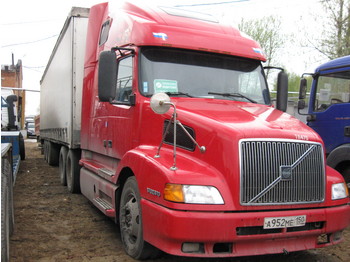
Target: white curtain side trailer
(62, 82)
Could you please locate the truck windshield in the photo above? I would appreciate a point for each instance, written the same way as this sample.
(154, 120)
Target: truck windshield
(332, 89)
(179, 72)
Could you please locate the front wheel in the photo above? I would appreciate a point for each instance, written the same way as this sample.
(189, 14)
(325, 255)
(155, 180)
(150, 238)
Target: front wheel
(130, 220)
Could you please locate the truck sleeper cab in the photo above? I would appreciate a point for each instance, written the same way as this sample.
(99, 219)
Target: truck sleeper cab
(217, 171)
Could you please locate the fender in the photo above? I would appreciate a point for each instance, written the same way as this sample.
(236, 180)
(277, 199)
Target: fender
(153, 173)
(339, 155)
(333, 177)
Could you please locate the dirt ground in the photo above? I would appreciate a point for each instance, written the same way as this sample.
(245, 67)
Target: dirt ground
(54, 225)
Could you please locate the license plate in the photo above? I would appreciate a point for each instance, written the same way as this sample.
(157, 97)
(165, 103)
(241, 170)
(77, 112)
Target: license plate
(283, 222)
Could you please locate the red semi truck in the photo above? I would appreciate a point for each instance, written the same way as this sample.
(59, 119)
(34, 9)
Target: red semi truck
(162, 118)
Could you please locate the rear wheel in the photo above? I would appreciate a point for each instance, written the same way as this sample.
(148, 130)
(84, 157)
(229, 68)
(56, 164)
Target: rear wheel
(53, 153)
(62, 165)
(73, 171)
(130, 220)
(45, 150)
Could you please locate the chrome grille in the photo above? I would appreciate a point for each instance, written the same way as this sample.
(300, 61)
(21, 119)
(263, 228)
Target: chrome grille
(281, 172)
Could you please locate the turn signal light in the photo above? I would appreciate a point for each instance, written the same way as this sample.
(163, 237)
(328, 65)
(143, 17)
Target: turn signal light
(173, 193)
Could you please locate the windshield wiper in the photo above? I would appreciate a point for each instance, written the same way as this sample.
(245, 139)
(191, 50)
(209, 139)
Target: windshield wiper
(178, 94)
(233, 95)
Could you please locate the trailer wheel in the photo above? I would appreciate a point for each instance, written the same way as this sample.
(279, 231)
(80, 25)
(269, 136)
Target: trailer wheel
(45, 150)
(130, 221)
(73, 171)
(62, 165)
(52, 153)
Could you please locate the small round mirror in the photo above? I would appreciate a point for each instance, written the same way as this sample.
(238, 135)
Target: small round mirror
(160, 103)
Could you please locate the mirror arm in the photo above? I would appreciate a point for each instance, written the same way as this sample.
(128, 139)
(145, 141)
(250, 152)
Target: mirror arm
(173, 117)
(163, 137)
(202, 149)
(176, 122)
(302, 114)
(160, 104)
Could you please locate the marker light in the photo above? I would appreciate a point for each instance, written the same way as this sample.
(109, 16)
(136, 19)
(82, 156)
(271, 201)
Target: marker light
(192, 194)
(339, 191)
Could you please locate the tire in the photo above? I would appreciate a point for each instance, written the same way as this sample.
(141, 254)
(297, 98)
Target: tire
(62, 165)
(73, 171)
(130, 221)
(22, 149)
(45, 150)
(41, 146)
(345, 171)
(52, 153)
(5, 230)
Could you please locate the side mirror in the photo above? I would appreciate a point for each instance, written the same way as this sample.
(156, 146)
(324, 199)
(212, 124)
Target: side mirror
(107, 76)
(302, 88)
(282, 91)
(301, 104)
(160, 103)
(302, 94)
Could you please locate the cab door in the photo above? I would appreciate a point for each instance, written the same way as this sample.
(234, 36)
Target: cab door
(113, 126)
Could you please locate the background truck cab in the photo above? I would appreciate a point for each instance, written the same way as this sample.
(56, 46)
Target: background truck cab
(329, 111)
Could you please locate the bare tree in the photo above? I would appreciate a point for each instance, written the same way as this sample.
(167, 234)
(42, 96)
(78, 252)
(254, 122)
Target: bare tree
(336, 38)
(266, 31)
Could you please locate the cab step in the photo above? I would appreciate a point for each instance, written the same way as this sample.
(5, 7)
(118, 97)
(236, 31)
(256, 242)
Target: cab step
(104, 206)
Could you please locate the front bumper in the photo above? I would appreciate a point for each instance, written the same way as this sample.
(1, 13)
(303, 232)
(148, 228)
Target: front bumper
(221, 234)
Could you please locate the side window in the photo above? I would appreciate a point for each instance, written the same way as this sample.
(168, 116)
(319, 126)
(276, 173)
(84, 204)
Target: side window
(332, 89)
(124, 79)
(104, 33)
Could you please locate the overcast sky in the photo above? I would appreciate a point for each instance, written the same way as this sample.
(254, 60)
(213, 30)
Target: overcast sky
(29, 30)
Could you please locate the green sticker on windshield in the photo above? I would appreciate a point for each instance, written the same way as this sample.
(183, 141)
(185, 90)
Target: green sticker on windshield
(163, 86)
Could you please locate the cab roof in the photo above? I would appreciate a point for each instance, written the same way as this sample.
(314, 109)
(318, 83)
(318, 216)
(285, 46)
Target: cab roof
(160, 25)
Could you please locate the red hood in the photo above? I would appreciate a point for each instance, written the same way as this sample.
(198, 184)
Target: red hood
(248, 120)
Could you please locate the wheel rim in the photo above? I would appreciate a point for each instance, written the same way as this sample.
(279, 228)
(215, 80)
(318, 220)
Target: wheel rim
(130, 220)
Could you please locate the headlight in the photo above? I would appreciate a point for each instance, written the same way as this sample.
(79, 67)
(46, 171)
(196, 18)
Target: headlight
(339, 191)
(193, 194)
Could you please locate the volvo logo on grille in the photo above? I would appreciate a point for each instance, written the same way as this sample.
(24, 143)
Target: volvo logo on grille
(286, 172)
